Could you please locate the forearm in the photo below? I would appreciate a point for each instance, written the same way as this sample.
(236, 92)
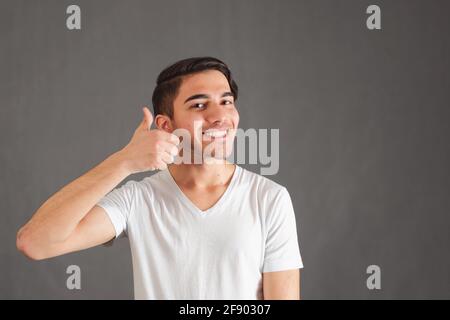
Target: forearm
(57, 218)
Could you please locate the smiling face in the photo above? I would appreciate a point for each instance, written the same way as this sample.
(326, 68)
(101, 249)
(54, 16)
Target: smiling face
(204, 106)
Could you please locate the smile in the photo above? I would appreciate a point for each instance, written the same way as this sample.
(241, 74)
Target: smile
(216, 134)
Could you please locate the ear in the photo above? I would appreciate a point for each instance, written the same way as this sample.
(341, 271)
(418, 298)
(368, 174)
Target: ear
(163, 122)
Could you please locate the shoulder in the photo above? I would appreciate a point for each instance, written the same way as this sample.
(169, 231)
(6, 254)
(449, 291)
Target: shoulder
(144, 186)
(271, 199)
(264, 187)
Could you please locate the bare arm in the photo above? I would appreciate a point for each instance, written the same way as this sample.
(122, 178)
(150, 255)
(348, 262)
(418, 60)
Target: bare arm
(61, 215)
(282, 285)
(70, 220)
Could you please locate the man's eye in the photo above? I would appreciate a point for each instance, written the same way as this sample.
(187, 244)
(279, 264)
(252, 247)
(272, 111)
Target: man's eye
(198, 105)
(227, 102)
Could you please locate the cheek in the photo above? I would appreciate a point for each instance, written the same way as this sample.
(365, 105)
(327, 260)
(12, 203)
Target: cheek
(235, 117)
(190, 125)
(187, 121)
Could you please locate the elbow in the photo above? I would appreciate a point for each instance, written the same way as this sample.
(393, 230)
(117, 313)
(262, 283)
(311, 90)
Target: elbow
(24, 245)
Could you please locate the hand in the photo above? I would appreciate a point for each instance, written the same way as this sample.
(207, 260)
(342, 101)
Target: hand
(149, 149)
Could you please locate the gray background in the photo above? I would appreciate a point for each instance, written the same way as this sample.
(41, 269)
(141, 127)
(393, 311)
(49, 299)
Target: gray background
(363, 118)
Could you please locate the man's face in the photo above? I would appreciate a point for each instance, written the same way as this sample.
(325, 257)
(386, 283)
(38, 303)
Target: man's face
(205, 99)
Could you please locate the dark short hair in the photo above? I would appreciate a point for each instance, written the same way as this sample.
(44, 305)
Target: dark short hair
(170, 79)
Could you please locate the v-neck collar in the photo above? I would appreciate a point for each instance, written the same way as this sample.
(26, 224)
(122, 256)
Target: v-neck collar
(193, 208)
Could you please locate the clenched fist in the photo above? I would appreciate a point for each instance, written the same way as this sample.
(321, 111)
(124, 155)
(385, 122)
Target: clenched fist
(150, 149)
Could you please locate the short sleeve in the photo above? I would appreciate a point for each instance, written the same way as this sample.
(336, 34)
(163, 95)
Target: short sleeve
(282, 250)
(118, 205)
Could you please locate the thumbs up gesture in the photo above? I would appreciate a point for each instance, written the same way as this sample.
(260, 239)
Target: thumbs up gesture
(150, 149)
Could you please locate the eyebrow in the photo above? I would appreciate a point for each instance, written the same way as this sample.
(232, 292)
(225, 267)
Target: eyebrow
(205, 96)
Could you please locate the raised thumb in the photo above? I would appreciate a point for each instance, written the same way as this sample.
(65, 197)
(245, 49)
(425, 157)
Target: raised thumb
(148, 118)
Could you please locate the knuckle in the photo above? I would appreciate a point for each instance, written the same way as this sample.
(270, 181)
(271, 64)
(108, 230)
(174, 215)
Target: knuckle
(175, 139)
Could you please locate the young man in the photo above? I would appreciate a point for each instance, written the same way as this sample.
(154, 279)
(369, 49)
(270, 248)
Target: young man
(209, 230)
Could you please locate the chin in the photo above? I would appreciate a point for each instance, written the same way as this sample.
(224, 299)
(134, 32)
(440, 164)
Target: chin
(219, 152)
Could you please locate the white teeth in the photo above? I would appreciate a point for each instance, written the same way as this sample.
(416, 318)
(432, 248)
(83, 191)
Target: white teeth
(216, 133)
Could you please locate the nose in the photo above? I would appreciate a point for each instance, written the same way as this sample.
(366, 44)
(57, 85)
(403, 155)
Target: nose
(216, 113)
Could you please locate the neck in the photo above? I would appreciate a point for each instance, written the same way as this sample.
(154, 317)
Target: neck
(202, 175)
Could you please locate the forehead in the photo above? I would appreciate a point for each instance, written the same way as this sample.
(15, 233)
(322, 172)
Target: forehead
(208, 82)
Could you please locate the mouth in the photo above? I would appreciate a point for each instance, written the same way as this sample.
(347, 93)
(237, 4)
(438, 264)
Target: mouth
(215, 134)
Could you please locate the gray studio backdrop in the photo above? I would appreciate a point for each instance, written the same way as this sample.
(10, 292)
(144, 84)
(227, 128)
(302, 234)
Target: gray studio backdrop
(363, 118)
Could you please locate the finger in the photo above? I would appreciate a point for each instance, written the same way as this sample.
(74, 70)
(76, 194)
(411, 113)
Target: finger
(174, 139)
(167, 157)
(170, 148)
(161, 165)
(170, 137)
(148, 118)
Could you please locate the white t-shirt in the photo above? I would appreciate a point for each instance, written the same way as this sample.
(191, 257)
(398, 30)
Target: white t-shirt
(181, 252)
